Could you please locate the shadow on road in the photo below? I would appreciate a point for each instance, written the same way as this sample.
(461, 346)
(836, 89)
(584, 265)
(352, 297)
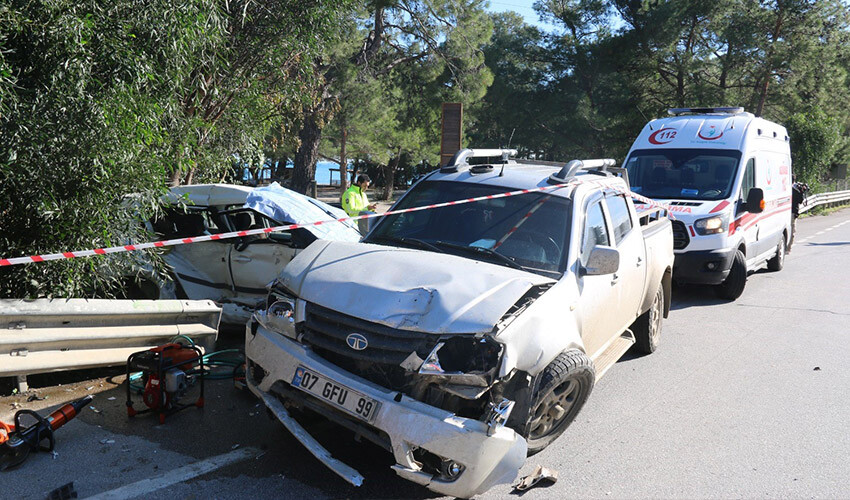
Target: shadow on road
(685, 296)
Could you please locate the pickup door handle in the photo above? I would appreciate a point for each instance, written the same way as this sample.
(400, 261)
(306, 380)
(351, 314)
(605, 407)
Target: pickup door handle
(614, 279)
(242, 258)
(639, 262)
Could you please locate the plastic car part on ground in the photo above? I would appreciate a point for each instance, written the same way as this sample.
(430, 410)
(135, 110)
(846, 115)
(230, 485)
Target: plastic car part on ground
(540, 476)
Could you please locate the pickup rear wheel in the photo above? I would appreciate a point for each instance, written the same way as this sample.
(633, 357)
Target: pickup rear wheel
(647, 328)
(733, 286)
(564, 387)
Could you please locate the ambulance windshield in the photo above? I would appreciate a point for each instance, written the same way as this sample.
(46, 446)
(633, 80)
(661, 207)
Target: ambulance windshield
(690, 174)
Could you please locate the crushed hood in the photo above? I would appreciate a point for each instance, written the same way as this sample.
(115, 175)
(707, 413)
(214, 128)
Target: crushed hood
(286, 206)
(407, 289)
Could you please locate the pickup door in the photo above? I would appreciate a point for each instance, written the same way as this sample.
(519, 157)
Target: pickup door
(598, 295)
(610, 303)
(628, 240)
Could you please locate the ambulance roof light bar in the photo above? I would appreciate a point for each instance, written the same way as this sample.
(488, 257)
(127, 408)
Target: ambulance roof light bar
(462, 157)
(572, 168)
(705, 111)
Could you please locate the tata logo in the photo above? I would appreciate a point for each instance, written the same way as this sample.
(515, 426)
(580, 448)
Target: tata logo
(356, 341)
(663, 136)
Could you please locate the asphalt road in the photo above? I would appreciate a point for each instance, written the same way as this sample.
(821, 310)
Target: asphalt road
(742, 399)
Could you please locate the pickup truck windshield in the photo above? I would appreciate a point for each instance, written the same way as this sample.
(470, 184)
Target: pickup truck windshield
(529, 231)
(691, 174)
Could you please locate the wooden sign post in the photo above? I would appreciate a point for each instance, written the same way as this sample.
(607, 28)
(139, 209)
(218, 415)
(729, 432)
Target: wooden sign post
(452, 131)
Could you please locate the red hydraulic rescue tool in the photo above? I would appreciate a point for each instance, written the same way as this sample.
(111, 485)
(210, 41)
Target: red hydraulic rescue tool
(21, 439)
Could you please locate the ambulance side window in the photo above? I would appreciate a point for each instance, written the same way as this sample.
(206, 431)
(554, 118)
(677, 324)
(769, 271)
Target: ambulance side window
(749, 180)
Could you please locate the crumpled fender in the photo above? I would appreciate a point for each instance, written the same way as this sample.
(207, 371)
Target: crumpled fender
(545, 329)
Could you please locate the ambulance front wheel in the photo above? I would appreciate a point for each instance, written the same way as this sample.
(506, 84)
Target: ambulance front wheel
(733, 286)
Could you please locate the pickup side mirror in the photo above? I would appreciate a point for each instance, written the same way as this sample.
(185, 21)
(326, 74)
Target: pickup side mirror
(755, 201)
(602, 260)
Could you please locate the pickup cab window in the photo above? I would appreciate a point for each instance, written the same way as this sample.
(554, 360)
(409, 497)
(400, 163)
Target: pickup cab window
(621, 220)
(529, 231)
(595, 231)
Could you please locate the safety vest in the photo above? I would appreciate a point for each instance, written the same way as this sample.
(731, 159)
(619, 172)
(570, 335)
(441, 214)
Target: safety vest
(354, 201)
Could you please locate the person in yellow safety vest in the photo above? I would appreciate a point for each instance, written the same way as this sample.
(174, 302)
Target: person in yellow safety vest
(355, 202)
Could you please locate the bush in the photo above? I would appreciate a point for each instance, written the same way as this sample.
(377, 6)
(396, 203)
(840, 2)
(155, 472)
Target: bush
(815, 138)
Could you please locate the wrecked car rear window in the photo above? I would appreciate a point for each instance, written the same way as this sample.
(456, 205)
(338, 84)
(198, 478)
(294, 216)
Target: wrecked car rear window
(529, 231)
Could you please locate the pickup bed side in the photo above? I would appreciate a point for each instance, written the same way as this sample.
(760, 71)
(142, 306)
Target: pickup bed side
(658, 242)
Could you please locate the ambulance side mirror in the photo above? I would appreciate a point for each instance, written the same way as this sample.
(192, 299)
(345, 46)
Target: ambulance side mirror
(755, 201)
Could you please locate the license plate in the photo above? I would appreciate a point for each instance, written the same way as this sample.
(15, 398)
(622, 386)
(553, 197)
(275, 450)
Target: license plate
(336, 394)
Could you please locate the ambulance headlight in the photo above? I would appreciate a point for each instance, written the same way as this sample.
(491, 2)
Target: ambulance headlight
(712, 225)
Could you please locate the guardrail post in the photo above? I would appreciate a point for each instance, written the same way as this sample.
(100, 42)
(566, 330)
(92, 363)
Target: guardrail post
(21, 381)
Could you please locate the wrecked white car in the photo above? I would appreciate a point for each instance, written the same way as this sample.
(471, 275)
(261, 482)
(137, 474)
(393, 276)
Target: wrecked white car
(463, 338)
(235, 272)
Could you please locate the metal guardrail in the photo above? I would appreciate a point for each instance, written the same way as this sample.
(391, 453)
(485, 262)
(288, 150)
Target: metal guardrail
(45, 335)
(815, 200)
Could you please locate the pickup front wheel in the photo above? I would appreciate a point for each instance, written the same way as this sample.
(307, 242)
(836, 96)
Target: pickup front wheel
(564, 387)
(647, 328)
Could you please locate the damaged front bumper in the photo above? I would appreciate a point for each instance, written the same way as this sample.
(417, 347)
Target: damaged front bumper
(481, 456)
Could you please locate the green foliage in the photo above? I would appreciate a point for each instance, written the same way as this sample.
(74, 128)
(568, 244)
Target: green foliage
(102, 99)
(395, 64)
(588, 88)
(815, 138)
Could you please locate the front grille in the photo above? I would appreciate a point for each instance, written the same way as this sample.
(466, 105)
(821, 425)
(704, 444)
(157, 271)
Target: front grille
(329, 330)
(680, 235)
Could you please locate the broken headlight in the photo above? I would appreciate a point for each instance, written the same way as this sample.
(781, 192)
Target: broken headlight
(279, 315)
(463, 359)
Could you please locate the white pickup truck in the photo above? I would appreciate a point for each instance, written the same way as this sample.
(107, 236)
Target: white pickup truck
(465, 337)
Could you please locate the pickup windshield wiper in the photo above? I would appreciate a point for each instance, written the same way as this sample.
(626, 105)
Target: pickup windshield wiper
(411, 242)
(482, 251)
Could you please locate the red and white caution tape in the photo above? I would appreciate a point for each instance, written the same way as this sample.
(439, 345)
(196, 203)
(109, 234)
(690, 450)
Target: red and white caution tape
(239, 234)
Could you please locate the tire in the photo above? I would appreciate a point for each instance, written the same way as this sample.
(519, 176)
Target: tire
(778, 261)
(647, 328)
(567, 380)
(733, 286)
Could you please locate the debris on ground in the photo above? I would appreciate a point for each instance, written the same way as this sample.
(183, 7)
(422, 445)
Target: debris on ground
(540, 475)
(95, 410)
(817, 369)
(35, 397)
(107, 441)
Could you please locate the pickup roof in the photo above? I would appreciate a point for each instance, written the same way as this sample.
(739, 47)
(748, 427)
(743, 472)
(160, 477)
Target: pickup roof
(463, 338)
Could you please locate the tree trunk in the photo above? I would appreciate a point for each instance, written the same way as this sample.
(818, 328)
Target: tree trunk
(308, 152)
(343, 160)
(389, 176)
(189, 176)
(176, 177)
(777, 31)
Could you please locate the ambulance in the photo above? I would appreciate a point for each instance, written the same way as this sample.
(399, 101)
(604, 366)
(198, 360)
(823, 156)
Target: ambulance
(726, 176)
